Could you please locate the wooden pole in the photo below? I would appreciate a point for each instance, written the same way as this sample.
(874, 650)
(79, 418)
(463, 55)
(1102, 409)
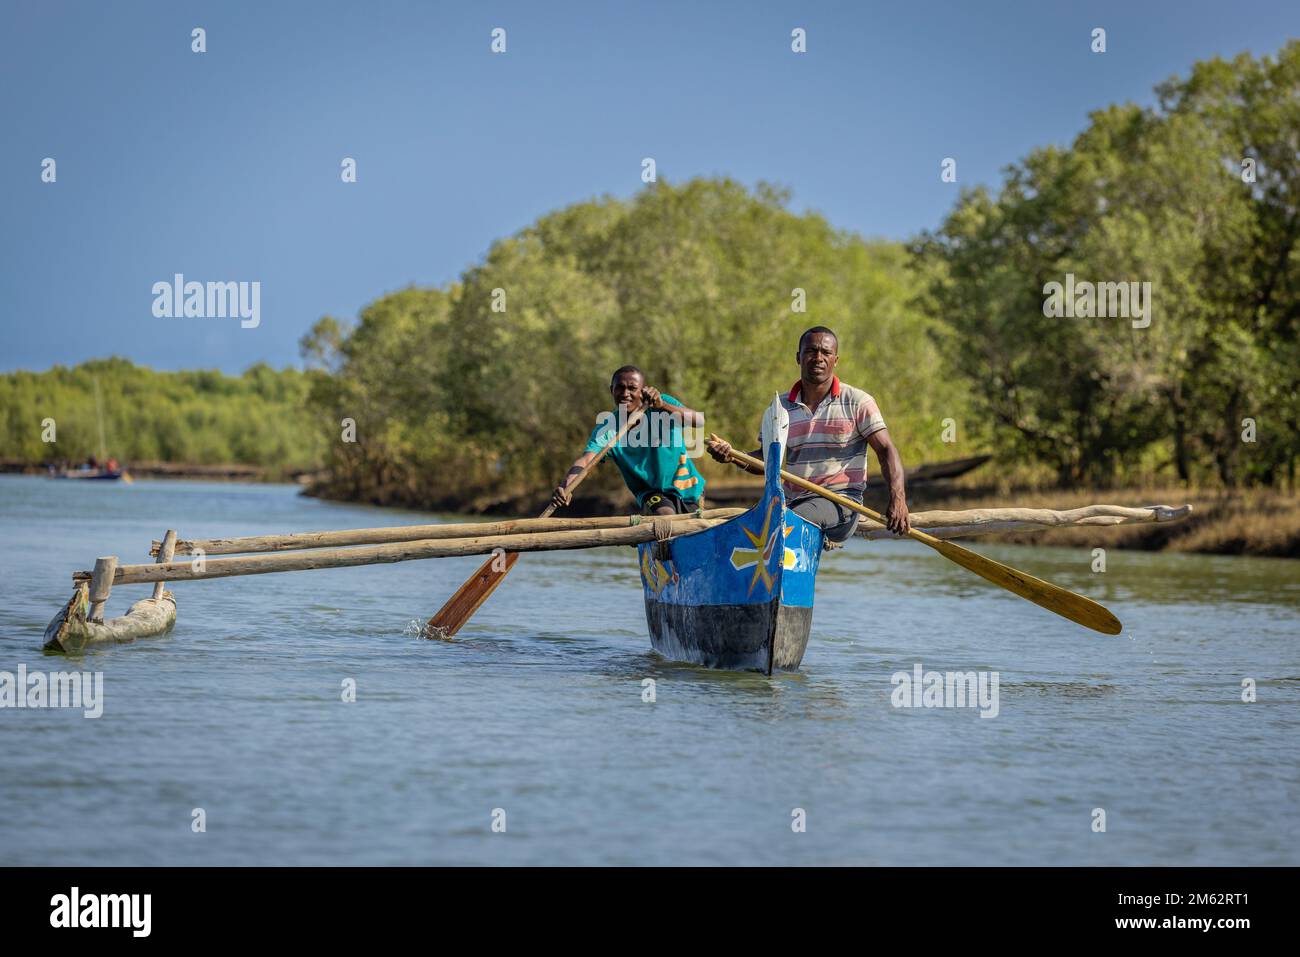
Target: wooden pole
(415, 533)
(101, 585)
(165, 554)
(939, 523)
(381, 554)
(986, 521)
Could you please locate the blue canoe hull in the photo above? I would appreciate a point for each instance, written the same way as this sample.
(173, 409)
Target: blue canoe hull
(737, 596)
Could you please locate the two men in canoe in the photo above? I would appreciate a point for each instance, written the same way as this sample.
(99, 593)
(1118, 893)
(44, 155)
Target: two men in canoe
(652, 457)
(831, 426)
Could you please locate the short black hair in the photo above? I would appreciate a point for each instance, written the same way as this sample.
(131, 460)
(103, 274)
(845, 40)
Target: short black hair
(816, 329)
(619, 371)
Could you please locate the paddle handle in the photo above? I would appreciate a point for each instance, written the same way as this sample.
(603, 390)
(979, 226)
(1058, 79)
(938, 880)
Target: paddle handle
(574, 482)
(827, 493)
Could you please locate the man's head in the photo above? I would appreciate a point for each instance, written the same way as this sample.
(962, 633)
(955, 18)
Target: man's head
(626, 385)
(819, 353)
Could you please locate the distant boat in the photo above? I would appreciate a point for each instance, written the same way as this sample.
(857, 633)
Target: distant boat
(110, 471)
(102, 474)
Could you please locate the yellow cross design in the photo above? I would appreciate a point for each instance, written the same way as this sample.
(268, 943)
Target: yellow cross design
(654, 572)
(761, 553)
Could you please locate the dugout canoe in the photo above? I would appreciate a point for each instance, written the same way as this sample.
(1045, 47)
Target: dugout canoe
(738, 596)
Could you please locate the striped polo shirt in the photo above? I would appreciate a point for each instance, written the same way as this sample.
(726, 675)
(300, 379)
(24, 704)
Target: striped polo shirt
(829, 446)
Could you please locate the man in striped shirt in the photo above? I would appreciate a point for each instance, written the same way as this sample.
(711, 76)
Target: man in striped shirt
(831, 426)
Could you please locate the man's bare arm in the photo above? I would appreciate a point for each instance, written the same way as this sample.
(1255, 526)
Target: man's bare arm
(891, 467)
(690, 418)
(653, 398)
(561, 497)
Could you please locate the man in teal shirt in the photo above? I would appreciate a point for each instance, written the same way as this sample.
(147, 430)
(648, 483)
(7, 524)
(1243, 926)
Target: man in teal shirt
(652, 456)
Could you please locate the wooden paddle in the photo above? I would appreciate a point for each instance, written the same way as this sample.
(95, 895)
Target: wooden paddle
(1054, 598)
(460, 606)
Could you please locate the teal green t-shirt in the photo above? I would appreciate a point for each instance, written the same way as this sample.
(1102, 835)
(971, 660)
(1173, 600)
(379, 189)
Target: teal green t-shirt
(652, 456)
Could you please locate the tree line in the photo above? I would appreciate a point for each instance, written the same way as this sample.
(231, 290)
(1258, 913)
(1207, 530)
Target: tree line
(488, 388)
(485, 388)
(1199, 196)
(195, 416)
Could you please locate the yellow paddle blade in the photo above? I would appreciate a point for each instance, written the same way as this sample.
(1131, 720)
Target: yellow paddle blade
(1054, 598)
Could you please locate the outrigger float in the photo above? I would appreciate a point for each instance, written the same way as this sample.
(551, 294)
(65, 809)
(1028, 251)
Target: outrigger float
(723, 588)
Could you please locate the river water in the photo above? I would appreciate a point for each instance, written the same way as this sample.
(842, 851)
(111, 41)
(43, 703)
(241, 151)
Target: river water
(534, 718)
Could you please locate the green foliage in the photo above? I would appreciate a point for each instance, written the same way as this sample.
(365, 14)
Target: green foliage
(460, 394)
(385, 381)
(1148, 195)
(486, 389)
(202, 416)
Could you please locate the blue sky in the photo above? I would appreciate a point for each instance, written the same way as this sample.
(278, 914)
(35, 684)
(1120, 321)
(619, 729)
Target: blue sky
(225, 165)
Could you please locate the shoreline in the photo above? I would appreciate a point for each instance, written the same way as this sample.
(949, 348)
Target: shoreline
(227, 472)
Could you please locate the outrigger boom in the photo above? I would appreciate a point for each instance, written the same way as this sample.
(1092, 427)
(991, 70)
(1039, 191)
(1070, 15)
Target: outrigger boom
(81, 621)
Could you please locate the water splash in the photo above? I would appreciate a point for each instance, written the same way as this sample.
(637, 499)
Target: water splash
(415, 628)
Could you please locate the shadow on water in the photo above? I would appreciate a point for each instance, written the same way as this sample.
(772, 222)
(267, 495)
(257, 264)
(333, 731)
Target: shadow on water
(1060, 689)
(609, 655)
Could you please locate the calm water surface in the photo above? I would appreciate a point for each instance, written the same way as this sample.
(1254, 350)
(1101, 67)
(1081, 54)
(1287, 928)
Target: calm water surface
(538, 710)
